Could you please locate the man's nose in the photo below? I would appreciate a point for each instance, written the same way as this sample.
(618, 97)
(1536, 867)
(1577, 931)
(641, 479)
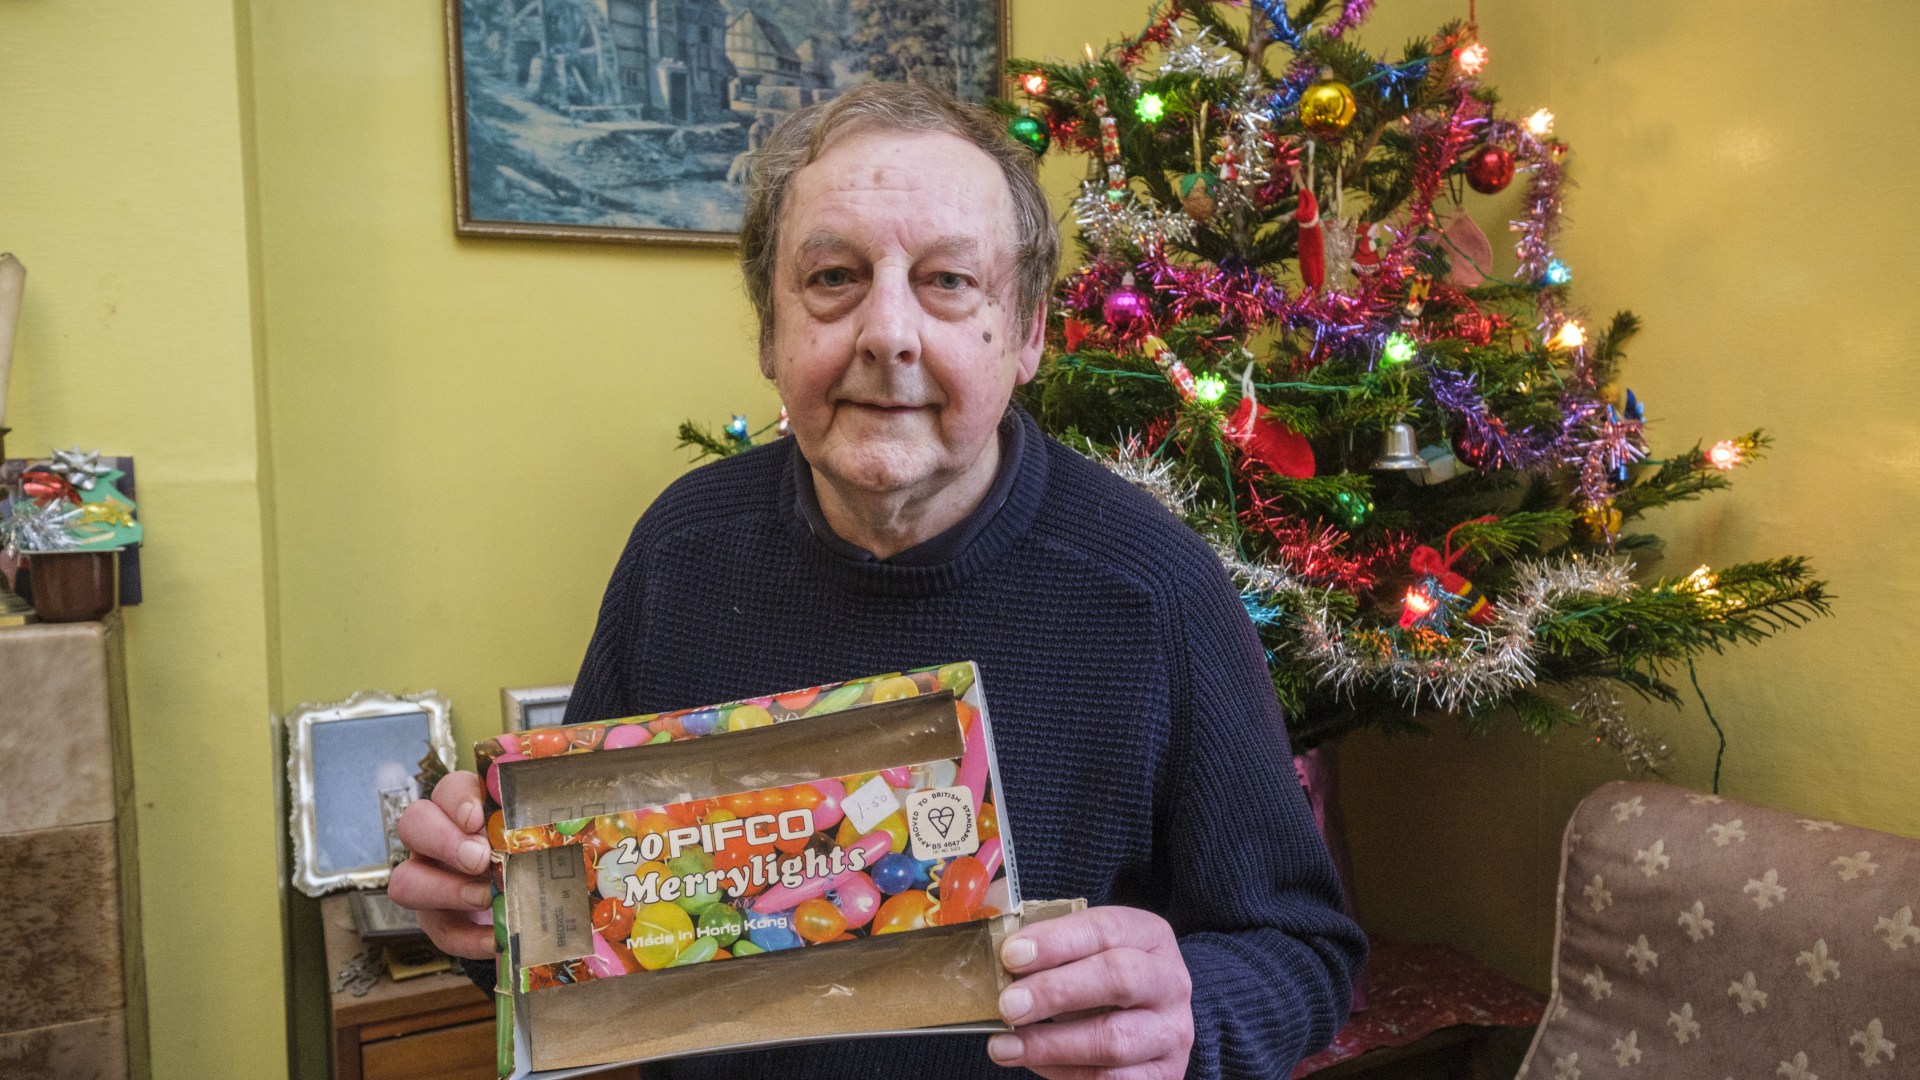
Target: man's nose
(890, 319)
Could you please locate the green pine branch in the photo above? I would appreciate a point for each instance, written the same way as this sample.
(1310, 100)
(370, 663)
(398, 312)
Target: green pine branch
(696, 437)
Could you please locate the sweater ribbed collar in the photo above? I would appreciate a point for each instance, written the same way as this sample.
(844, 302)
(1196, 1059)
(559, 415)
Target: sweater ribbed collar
(943, 561)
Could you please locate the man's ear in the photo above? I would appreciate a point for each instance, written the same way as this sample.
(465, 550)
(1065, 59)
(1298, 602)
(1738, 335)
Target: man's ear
(1032, 348)
(766, 356)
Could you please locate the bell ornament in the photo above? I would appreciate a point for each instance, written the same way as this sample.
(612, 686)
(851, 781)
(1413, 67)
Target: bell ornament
(1401, 451)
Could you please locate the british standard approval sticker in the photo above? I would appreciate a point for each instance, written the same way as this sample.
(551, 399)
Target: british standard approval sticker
(940, 823)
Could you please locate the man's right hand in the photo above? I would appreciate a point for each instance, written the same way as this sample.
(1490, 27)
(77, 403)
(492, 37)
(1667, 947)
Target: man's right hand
(444, 882)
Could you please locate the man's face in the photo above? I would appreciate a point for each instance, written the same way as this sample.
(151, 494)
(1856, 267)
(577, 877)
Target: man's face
(895, 346)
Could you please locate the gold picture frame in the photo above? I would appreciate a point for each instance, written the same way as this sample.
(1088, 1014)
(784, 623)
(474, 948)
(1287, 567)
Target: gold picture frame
(574, 129)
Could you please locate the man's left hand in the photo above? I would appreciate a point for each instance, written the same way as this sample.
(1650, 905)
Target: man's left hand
(1121, 963)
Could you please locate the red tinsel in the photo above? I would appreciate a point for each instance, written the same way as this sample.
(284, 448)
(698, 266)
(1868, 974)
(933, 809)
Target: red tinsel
(1072, 135)
(1313, 550)
(1159, 33)
(1286, 163)
(1437, 145)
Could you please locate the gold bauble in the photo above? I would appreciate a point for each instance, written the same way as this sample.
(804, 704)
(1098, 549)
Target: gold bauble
(1597, 524)
(1327, 107)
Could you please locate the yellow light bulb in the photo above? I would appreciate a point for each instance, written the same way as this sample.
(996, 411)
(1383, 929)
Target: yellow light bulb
(1540, 124)
(1701, 581)
(1571, 337)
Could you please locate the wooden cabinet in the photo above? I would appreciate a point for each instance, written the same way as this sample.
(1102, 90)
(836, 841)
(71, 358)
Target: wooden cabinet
(72, 984)
(435, 1027)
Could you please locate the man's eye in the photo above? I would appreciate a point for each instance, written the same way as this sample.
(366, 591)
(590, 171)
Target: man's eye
(949, 281)
(833, 279)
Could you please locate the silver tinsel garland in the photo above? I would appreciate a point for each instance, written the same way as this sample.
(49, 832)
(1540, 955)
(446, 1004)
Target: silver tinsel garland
(1606, 718)
(1198, 54)
(1131, 463)
(1133, 221)
(1492, 662)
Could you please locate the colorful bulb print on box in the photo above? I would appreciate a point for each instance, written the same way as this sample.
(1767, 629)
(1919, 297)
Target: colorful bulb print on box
(797, 820)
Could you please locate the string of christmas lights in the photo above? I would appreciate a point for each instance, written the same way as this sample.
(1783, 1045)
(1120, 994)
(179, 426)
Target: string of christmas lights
(1284, 291)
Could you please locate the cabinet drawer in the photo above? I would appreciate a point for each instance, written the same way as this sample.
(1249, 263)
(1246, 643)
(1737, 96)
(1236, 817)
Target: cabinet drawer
(464, 1052)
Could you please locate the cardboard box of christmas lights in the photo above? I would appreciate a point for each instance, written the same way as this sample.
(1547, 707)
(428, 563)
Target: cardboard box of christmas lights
(821, 864)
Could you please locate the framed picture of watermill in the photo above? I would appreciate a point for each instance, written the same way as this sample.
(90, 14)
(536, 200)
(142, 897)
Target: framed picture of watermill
(636, 120)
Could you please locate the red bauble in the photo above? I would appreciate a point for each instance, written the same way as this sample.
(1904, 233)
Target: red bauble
(1489, 169)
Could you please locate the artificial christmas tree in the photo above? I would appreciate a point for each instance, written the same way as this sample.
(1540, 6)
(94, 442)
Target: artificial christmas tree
(1285, 326)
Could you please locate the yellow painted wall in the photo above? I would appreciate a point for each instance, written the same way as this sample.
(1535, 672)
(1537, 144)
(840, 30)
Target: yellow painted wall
(123, 187)
(458, 433)
(464, 431)
(1747, 185)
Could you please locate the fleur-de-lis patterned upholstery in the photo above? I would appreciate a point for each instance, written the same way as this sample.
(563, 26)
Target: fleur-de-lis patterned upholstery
(1702, 938)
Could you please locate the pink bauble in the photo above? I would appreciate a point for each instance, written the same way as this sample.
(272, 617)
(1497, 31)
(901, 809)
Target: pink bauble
(1125, 306)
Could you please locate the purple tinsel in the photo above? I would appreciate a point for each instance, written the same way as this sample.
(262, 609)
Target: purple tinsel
(1485, 440)
(1603, 450)
(1352, 15)
(1539, 223)
(1241, 297)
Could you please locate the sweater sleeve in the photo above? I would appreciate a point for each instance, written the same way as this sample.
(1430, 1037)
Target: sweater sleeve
(1257, 904)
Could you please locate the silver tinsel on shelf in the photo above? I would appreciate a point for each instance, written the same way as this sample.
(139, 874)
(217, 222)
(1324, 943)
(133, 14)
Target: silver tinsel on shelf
(30, 527)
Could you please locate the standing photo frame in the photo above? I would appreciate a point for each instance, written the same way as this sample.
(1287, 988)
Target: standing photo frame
(528, 707)
(635, 120)
(351, 766)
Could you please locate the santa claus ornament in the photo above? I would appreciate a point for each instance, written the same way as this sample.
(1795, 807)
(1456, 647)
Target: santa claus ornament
(1313, 245)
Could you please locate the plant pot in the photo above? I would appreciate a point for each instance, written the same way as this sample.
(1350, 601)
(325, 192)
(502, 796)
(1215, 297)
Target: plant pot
(72, 586)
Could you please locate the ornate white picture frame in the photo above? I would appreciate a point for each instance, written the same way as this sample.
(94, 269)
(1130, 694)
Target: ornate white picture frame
(346, 761)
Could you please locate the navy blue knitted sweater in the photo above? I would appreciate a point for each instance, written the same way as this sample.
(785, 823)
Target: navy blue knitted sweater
(1142, 753)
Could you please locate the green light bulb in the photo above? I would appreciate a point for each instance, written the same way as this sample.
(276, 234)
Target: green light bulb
(1150, 108)
(1399, 349)
(1210, 388)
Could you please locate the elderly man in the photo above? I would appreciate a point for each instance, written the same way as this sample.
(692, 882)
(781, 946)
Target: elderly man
(898, 251)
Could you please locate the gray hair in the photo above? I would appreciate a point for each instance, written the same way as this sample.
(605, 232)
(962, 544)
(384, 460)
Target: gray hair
(806, 134)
